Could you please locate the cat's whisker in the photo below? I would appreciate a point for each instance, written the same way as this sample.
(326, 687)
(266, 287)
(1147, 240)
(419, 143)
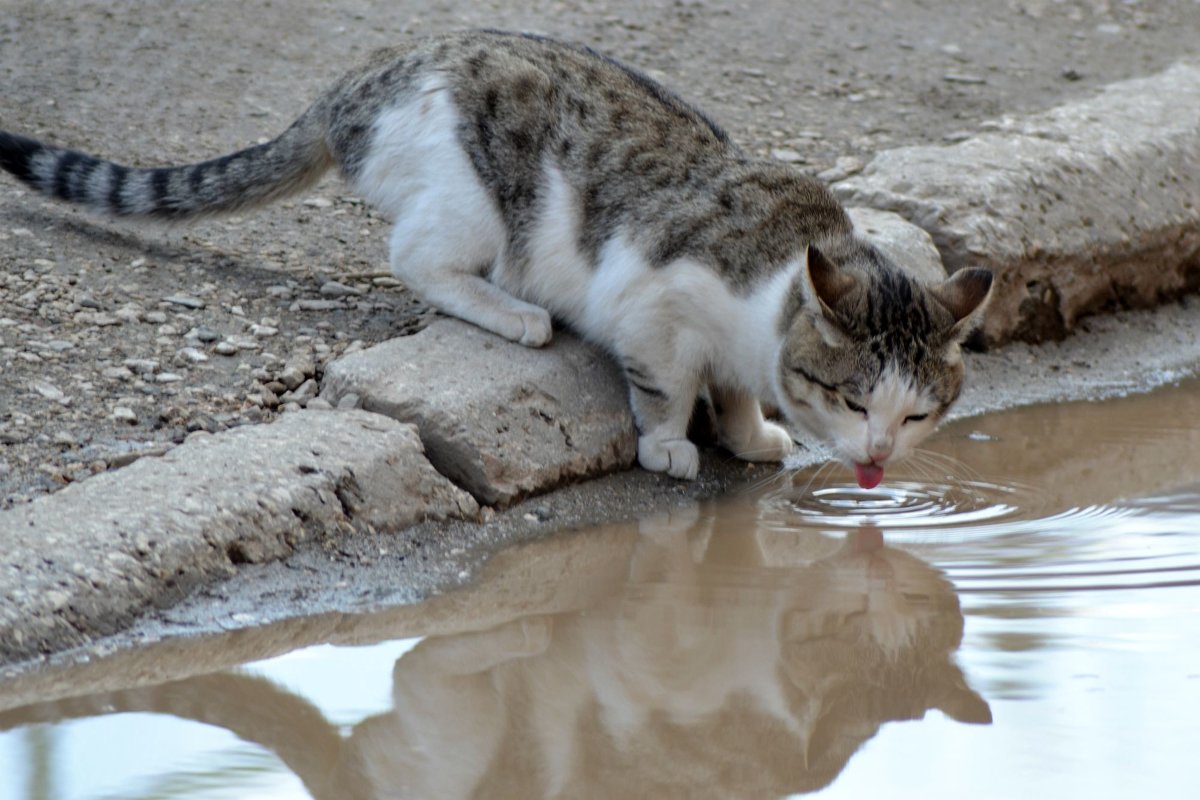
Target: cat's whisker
(954, 467)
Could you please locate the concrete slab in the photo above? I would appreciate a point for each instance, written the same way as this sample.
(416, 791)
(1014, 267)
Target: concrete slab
(1089, 206)
(501, 420)
(86, 560)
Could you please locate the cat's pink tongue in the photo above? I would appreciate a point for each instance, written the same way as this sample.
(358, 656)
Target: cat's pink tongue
(869, 475)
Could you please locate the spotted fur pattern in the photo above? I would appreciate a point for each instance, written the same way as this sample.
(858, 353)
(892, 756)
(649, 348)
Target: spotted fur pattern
(529, 177)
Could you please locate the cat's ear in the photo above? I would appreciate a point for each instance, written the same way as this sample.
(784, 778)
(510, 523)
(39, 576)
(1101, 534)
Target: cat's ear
(961, 704)
(827, 284)
(964, 294)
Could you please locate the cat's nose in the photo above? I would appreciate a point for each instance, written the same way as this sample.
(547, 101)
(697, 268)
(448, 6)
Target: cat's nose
(879, 452)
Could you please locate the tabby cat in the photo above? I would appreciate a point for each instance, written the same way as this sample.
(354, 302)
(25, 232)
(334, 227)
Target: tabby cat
(529, 177)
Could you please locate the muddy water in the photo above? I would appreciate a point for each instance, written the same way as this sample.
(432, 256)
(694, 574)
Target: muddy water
(1015, 613)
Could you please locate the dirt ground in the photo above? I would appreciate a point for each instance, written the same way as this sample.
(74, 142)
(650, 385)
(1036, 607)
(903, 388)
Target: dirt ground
(118, 340)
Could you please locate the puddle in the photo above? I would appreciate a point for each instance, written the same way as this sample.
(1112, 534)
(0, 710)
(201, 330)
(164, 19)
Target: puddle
(1016, 612)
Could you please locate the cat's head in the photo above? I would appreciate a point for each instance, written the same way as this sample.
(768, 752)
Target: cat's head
(870, 360)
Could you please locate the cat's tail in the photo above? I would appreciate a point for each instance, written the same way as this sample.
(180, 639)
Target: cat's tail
(257, 175)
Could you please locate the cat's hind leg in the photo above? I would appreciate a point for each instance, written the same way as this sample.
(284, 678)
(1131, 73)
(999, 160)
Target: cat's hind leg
(742, 430)
(448, 231)
(446, 269)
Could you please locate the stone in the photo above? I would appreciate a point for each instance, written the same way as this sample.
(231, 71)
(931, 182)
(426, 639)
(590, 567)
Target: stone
(906, 244)
(501, 420)
(301, 394)
(335, 289)
(184, 300)
(160, 527)
(1087, 206)
(291, 376)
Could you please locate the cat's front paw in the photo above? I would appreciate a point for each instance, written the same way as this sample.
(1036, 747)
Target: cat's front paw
(679, 458)
(538, 328)
(771, 443)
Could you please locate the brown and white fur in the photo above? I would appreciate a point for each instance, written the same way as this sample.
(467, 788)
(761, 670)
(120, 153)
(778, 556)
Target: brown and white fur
(530, 179)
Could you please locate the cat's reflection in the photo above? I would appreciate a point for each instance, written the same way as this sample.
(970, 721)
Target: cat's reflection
(726, 666)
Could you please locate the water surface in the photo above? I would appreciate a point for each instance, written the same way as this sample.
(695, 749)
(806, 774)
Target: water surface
(1016, 612)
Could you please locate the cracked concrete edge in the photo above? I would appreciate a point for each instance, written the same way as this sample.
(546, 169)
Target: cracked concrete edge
(86, 560)
(1087, 207)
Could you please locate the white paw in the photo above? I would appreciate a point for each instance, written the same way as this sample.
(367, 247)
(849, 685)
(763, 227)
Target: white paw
(679, 458)
(537, 329)
(771, 443)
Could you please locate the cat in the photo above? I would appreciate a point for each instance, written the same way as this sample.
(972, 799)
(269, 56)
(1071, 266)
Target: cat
(529, 177)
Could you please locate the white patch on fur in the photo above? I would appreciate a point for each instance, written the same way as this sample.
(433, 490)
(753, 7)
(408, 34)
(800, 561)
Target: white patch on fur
(733, 338)
(557, 274)
(882, 435)
(417, 173)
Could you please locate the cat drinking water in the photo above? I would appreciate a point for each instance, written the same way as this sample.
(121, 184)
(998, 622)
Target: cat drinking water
(531, 179)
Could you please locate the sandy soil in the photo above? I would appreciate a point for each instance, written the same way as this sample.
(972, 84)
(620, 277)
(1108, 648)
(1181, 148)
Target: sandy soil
(117, 340)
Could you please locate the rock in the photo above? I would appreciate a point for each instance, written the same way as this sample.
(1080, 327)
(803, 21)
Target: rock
(335, 289)
(184, 300)
(301, 394)
(124, 414)
(225, 348)
(909, 246)
(190, 355)
(141, 366)
(1087, 206)
(501, 420)
(788, 155)
(162, 526)
(244, 342)
(50, 391)
(291, 376)
(843, 168)
(317, 305)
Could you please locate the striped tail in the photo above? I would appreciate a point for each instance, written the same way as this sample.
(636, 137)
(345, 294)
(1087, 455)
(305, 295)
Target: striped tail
(251, 177)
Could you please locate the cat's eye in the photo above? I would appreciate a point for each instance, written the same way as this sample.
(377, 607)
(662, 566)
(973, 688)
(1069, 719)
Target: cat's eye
(855, 407)
(915, 418)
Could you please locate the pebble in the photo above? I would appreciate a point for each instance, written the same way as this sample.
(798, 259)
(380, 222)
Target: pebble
(191, 355)
(336, 289)
(318, 202)
(184, 300)
(168, 377)
(155, 317)
(301, 394)
(117, 373)
(124, 414)
(49, 391)
(291, 376)
(788, 156)
(225, 349)
(244, 342)
(66, 439)
(141, 366)
(319, 404)
(843, 168)
(206, 335)
(317, 305)
(263, 331)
